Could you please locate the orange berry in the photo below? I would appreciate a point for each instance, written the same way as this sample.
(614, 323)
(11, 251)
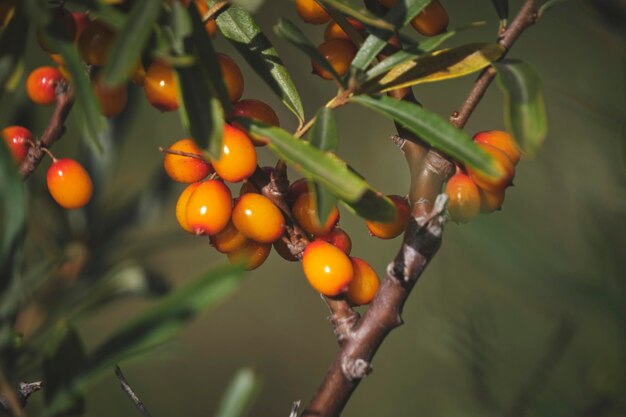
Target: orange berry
(181, 206)
(112, 100)
(464, 199)
(338, 237)
(339, 53)
(247, 187)
(17, 139)
(238, 158)
(209, 208)
(504, 166)
(334, 31)
(257, 110)
(210, 25)
(63, 26)
(229, 239)
(138, 76)
(432, 20)
(186, 168)
(42, 83)
(258, 218)
(283, 250)
(327, 268)
(303, 211)
(81, 20)
(233, 78)
(502, 141)
(311, 12)
(161, 86)
(252, 254)
(395, 228)
(69, 184)
(490, 201)
(364, 285)
(94, 43)
(297, 188)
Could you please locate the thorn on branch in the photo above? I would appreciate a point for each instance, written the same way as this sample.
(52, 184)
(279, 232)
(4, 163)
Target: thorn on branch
(294, 409)
(26, 389)
(131, 394)
(355, 368)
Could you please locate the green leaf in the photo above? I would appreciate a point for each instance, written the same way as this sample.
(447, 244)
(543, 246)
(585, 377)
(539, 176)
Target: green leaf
(524, 108)
(249, 5)
(293, 34)
(399, 15)
(130, 41)
(374, 206)
(98, 8)
(361, 14)
(433, 129)
(502, 9)
(440, 65)
(239, 395)
(12, 46)
(239, 27)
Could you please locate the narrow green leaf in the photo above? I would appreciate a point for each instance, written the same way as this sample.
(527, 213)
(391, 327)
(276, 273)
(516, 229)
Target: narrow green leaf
(240, 394)
(12, 46)
(524, 108)
(239, 27)
(130, 41)
(100, 9)
(250, 6)
(440, 65)
(361, 14)
(374, 206)
(293, 34)
(433, 129)
(399, 15)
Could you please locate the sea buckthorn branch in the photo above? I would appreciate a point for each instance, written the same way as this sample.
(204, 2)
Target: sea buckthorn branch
(54, 131)
(216, 9)
(131, 393)
(23, 391)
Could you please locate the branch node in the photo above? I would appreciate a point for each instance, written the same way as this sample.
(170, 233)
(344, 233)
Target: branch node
(398, 141)
(26, 389)
(294, 409)
(355, 368)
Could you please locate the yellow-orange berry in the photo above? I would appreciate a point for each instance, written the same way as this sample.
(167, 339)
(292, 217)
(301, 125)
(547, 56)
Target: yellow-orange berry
(311, 12)
(112, 100)
(94, 43)
(258, 218)
(183, 168)
(490, 201)
(238, 158)
(297, 188)
(334, 31)
(327, 268)
(257, 110)
(63, 27)
(506, 171)
(432, 20)
(210, 25)
(304, 212)
(181, 206)
(161, 86)
(502, 141)
(252, 254)
(17, 139)
(209, 208)
(41, 85)
(338, 237)
(283, 250)
(464, 199)
(229, 239)
(233, 78)
(339, 53)
(364, 285)
(392, 229)
(69, 184)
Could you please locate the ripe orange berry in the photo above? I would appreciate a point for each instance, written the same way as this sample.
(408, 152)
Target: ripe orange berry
(303, 211)
(490, 201)
(181, 206)
(238, 158)
(338, 237)
(161, 86)
(112, 100)
(42, 83)
(464, 199)
(63, 26)
(233, 78)
(334, 31)
(95, 42)
(327, 268)
(339, 53)
(283, 250)
(502, 141)
(17, 139)
(229, 239)
(297, 188)
(252, 254)
(432, 20)
(503, 164)
(311, 12)
(210, 25)
(209, 208)
(69, 184)
(395, 228)
(257, 110)
(364, 285)
(258, 218)
(186, 168)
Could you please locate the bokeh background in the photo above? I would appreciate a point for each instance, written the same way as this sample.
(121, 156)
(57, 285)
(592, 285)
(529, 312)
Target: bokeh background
(522, 312)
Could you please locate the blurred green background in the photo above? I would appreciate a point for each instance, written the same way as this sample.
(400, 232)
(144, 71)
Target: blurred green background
(521, 312)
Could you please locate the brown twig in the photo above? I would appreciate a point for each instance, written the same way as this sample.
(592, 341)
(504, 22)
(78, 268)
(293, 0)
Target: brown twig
(215, 10)
(12, 401)
(182, 153)
(131, 394)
